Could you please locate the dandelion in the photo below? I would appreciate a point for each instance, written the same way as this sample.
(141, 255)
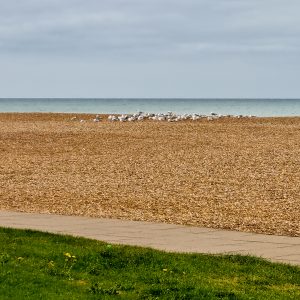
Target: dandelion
(69, 257)
(165, 270)
(70, 260)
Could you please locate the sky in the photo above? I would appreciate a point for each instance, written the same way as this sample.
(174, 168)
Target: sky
(150, 48)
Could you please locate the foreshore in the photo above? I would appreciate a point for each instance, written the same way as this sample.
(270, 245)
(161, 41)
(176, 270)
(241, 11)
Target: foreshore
(240, 174)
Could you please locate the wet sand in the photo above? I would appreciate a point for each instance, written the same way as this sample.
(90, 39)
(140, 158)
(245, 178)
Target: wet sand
(240, 174)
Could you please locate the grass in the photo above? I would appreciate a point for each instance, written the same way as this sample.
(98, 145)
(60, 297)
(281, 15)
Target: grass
(35, 265)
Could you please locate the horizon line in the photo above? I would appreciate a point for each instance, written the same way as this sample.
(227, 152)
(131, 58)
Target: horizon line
(151, 98)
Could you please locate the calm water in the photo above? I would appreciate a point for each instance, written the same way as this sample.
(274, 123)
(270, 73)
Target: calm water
(258, 107)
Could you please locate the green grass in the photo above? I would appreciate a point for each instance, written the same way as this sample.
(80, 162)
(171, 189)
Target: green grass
(34, 265)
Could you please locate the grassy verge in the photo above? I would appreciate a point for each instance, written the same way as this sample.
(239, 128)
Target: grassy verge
(35, 265)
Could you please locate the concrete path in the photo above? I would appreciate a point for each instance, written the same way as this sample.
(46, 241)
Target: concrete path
(161, 236)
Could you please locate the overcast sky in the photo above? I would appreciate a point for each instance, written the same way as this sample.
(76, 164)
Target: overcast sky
(150, 48)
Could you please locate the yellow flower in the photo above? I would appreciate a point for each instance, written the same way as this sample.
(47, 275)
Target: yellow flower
(67, 254)
(165, 270)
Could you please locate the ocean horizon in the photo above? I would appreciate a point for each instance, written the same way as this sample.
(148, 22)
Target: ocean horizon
(263, 107)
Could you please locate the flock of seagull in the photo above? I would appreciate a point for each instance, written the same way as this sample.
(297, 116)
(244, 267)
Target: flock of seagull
(169, 117)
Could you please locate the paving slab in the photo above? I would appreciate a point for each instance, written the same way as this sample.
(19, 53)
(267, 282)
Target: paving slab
(168, 237)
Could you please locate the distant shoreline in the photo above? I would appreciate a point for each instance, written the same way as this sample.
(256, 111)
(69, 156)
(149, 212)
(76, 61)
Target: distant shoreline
(67, 116)
(257, 107)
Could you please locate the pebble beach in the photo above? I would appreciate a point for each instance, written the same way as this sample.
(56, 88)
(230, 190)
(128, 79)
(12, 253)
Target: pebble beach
(220, 172)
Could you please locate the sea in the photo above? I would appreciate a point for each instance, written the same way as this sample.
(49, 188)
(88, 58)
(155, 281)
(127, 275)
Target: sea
(254, 107)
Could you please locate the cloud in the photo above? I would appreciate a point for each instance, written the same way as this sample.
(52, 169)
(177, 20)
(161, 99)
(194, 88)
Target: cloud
(149, 48)
(148, 28)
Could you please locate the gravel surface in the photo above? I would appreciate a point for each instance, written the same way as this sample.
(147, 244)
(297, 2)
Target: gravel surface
(240, 174)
